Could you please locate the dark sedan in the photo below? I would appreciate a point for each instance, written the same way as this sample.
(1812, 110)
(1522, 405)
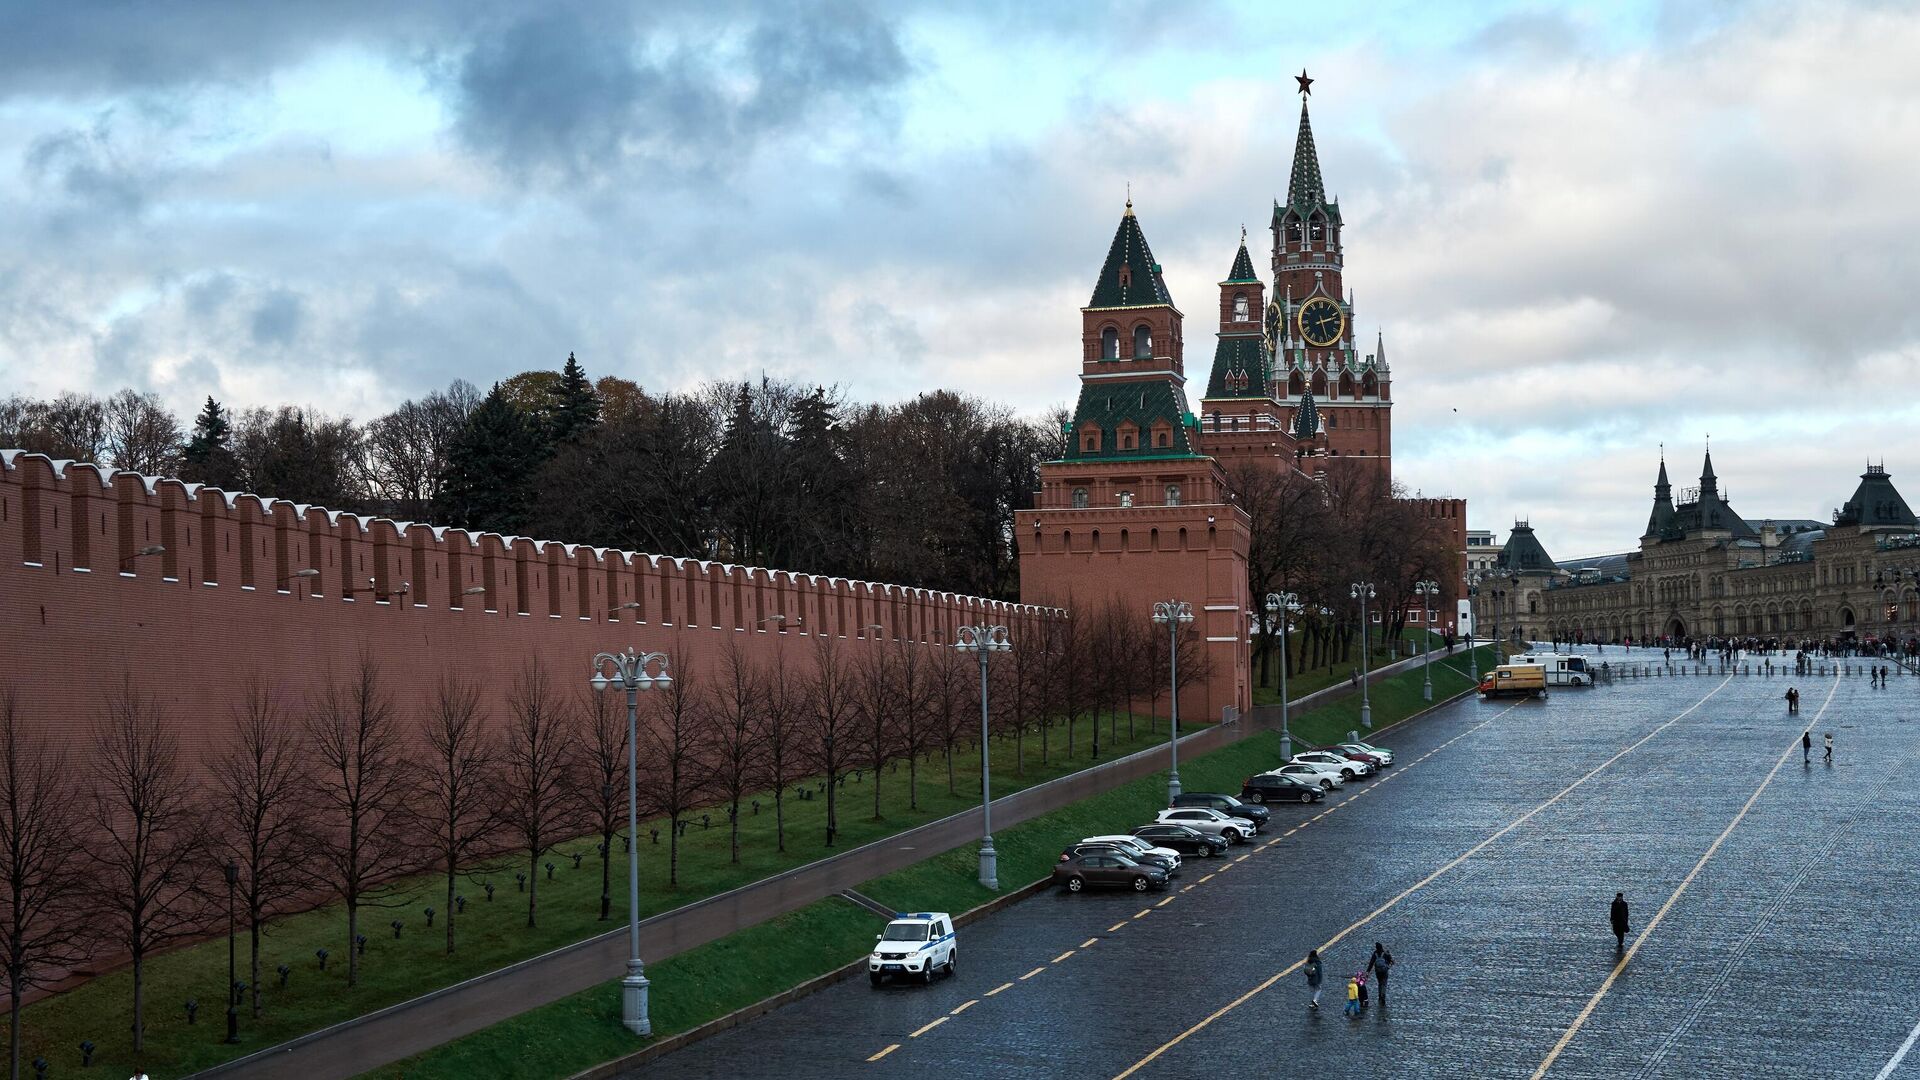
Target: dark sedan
(1102, 871)
(1226, 804)
(1182, 839)
(1097, 847)
(1278, 787)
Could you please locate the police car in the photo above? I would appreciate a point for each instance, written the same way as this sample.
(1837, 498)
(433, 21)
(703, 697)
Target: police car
(916, 945)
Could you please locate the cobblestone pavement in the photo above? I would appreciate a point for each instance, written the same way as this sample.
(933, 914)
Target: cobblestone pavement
(1787, 942)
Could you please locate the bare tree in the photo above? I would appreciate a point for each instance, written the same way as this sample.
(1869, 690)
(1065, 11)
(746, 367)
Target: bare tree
(141, 435)
(949, 674)
(150, 852)
(737, 746)
(602, 790)
(43, 871)
(460, 816)
(672, 753)
(406, 450)
(261, 791)
(363, 782)
(784, 724)
(915, 728)
(830, 720)
(538, 766)
(876, 709)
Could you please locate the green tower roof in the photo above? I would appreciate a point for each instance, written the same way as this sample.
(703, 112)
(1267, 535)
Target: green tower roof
(1108, 405)
(1131, 277)
(1240, 367)
(1242, 272)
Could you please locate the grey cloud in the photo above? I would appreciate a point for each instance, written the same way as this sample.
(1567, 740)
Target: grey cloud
(87, 170)
(276, 320)
(589, 96)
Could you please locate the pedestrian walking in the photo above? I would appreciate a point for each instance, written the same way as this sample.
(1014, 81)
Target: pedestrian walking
(1620, 927)
(1313, 978)
(1806, 747)
(1378, 964)
(1828, 740)
(1353, 995)
(1361, 978)
(1793, 702)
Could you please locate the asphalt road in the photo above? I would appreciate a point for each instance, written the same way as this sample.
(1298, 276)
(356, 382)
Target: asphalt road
(1775, 911)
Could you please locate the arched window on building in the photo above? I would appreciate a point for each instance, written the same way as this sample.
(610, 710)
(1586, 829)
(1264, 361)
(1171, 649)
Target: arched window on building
(1079, 498)
(1142, 342)
(1173, 494)
(1126, 498)
(1110, 343)
(1239, 307)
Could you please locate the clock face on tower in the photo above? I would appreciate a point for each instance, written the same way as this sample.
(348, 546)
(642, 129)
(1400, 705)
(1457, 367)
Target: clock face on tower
(1275, 321)
(1321, 322)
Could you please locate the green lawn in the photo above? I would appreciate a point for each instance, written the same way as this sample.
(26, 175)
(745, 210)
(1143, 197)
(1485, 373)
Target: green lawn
(702, 984)
(494, 934)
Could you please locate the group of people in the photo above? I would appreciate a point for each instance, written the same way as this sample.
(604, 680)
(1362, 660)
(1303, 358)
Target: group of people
(1806, 746)
(1377, 967)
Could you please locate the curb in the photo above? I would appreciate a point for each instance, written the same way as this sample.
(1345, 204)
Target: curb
(608, 1069)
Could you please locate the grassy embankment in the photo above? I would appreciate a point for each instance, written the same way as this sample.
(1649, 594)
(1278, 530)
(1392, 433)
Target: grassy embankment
(702, 984)
(492, 934)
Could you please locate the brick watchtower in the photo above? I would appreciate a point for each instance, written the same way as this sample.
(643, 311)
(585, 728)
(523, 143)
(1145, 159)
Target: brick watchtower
(1133, 511)
(1309, 324)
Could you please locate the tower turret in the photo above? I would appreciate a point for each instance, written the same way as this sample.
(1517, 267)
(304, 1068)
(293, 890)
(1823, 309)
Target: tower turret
(1130, 325)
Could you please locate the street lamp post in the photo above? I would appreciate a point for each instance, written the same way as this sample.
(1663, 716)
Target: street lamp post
(629, 671)
(984, 641)
(1173, 614)
(1363, 592)
(1470, 579)
(1427, 590)
(233, 993)
(1281, 606)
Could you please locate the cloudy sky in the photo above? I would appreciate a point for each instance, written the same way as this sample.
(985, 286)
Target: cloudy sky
(1585, 230)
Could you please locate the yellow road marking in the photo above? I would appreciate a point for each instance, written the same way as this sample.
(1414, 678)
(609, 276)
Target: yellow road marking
(1118, 925)
(1190, 888)
(1243, 858)
(890, 1049)
(1032, 973)
(1290, 832)
(1144, 912)
(1225, 868)
(1209, 877)
(1061, 957)
(997, 989)
(1418, 885)
(929, 1027)
(1647, 931)
(1091, 940)
(964, 1006)
(1165, 902)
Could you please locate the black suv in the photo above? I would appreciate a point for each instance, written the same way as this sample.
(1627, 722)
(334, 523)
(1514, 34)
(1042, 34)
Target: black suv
(1163, 863)
(1227, 805)
(1276, 787)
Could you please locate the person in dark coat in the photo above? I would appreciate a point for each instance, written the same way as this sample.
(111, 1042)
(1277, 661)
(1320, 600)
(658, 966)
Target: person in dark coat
(1378, 964)
(1620, 926)
(1313, 977)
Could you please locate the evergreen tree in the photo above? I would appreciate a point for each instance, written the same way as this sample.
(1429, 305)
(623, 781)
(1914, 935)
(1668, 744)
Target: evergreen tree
(491, 463)
(576, 405)
(209, 457)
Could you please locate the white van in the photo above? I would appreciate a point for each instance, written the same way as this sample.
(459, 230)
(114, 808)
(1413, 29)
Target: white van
(1561, 669)
(919, 945)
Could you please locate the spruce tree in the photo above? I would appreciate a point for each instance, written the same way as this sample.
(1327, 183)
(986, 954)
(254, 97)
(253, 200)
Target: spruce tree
(576, 405)
(488, 485)
(209, 457)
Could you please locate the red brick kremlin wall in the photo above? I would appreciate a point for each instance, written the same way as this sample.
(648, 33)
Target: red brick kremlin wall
(79, 609)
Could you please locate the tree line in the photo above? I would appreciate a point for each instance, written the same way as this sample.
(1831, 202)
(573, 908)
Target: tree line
(767, 473)
(345, 793)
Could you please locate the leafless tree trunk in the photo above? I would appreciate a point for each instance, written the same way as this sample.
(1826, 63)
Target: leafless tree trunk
(459, 772)
(603, 786)
(672, 753)
(363, 781)
(261, 789)
(830, 722)
(737, 705)
(150, 852)
(876, 707)
(913, 729)
(538, 765)
(949, 674)
(43, 868)
(783, 729)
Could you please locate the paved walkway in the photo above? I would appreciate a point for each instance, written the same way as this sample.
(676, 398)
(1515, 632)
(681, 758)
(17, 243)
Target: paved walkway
(411, 1027)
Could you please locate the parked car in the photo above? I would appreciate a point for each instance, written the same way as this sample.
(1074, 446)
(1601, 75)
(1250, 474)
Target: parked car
(920, 945)
(1129, 840)
(1374, 755)
(1170, 864)
(1274, 787)
(1231, 829)
(1326, 777)
(1107, 871)
(1186, 841)
(1348, 768)
(1227, 805)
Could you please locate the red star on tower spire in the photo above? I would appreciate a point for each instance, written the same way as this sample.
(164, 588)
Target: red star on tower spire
(1306, 84)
